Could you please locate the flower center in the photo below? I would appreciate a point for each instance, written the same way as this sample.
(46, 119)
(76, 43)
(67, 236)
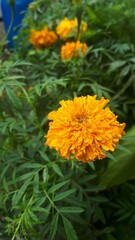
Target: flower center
(82, 119)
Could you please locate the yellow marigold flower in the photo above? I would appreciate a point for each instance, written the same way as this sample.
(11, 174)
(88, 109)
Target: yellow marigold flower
(85, 128)
(68, 28)
(44, 37)
(73, 49)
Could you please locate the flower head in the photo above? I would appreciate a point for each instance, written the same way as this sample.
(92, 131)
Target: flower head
(68, 28)
(44, 37)
(85, 128)
(73, 49)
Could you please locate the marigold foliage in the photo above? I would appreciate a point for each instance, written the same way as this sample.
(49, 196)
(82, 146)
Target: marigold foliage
(68, 28)
(73, 49)
(32, 5)
(85, 128)
(44, 37)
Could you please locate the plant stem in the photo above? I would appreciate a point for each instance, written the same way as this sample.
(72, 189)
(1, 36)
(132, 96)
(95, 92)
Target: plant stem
(52, 203)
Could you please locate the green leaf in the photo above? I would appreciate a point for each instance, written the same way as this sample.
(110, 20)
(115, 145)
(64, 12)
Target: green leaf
(71, 210)
(115, 65)
(98, 199)
(13, 98)
(100, 215)
(44, 156)
(36, 183)
(45, 175)
(91, 164)
(31, 165)
(54, 226)
(125, 71)
(69, 229)
(41, 209)
(57, 186)
(5, 185)
(32, 216)
(57, 169)
(26, 176)
(18, 195)
(92, 15)
(123, 168)
(5, 169)
(87, 178)
(38, 89)
(110, 155)
(63, 195)
(122, 148)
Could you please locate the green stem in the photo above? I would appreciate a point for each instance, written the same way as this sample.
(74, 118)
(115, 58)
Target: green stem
(52, 203)
(17, 229)
(21, 219)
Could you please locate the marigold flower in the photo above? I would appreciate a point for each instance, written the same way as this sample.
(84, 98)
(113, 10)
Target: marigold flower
(73, 49)
(85, 128)
(68, 28)
(44, 37)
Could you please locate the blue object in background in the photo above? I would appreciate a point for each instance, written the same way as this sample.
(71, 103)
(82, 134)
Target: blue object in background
(19, 12)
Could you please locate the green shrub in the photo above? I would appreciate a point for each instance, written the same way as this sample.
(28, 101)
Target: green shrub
(44, 196)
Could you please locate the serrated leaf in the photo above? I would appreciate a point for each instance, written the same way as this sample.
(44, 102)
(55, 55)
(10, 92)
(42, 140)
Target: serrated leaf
(132, 59)
(91, 164)
(5, 169)
(100, 215)
(124, 216)
(33, 216)
(13, 98)
(38, 89)
(69, 229)
(41, 209)
(87, 178)
(110, 155)
(57, 186)
(5, 185)
(57, 169)
(44, 156)
(54, 226)
(26, 176)
(31, 165)
(71, 210)
(45, 175)
(125, 71)
(115, 65)
(63, 195)
(122, 148)
(36, 183)
(98, 199)
(18, 195)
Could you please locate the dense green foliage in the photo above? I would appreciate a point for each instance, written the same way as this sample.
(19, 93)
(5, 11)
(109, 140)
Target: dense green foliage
(42, 195)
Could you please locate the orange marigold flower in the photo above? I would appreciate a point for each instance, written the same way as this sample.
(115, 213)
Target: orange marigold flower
(85, 128)
(44, 37)
(68, 28)
(73, 49)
